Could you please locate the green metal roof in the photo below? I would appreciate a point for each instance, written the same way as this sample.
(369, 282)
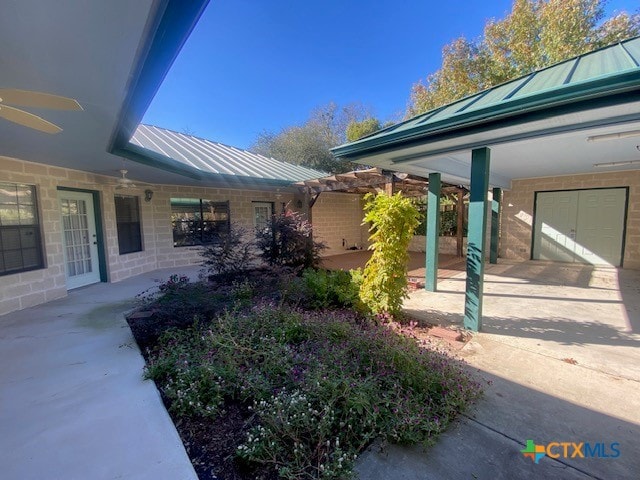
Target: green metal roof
(205, 159)
(609, 71)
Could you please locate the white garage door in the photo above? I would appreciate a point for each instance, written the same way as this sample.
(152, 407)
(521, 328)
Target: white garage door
(584, 226)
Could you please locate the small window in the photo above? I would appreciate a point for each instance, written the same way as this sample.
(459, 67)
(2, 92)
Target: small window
(262, 213)
(198, 222)
(128, 224)
(20, 242)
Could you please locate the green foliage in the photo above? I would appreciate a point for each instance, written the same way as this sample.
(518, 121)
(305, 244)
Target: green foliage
(233, 252)
(393, 220)
(448, 218)
(535, 34)
(358, 129)
(321, 385)
(332, 288)
(177, 300)
(309, 144)
(288, 242)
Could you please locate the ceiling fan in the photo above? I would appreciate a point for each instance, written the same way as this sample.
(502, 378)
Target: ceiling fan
(27, 98)
(124, 182)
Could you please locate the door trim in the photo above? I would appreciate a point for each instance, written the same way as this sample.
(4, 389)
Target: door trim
(625, 215)
(97, 213)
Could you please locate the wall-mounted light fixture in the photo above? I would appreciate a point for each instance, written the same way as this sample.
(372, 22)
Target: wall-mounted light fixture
(616, 164)
(613, 136)
(148, 195)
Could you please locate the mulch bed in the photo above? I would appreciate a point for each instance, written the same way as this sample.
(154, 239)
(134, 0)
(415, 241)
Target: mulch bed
(210, 443)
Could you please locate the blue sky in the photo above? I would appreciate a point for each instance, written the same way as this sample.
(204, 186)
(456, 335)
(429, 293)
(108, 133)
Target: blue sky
(251, 66)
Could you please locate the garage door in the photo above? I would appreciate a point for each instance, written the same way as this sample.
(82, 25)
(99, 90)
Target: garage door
(585, 226)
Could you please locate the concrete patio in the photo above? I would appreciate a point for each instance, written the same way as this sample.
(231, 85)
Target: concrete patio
(73, 404)
(560, 349)
(559, 346)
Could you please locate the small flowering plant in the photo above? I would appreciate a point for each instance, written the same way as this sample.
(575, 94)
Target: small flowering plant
(317, 386)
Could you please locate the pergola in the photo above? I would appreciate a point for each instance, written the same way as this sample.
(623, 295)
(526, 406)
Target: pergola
(375, 180)
(544, 124)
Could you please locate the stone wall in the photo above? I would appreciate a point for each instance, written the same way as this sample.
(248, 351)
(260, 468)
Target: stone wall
(22, 290)
(337, 219)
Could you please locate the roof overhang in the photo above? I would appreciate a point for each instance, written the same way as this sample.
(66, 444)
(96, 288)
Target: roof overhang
(546, 134)
(110, 56)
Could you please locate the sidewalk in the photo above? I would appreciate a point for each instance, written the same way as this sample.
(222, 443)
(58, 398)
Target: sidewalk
(73, 404)
(539, 320)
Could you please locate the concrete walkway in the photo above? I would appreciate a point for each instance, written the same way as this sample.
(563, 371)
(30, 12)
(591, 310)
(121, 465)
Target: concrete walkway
(73, 404)
(560, 348)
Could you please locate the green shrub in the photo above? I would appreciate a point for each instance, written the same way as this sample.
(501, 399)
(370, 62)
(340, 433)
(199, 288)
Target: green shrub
(233, 252)
(321, 385)
(393, 220)
(288, 241)
(177, 300)
(337, 288)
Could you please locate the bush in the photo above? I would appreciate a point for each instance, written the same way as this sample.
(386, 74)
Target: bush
(321, 385)
(393, 220)
(288, 241)
(177, 300)
(233, 253)
(332, 288)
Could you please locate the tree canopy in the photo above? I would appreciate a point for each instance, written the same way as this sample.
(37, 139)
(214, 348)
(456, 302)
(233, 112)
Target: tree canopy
(358, 129)
(535, 34)
(309, 144)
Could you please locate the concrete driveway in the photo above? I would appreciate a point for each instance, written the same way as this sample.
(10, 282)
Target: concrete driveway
(73, 404)
(560, 349)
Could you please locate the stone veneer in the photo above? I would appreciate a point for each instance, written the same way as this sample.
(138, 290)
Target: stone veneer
(517, 218)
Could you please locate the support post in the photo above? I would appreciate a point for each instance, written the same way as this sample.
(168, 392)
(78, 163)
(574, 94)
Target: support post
(496, 207)
(433, 232)
(480, 160)
(389, 184)
(460, 224)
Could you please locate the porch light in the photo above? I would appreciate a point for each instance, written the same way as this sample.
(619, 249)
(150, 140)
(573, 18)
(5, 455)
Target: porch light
(613, 136)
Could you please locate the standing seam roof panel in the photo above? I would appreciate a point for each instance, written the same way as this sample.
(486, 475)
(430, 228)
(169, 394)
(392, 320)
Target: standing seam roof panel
(212, 165)
(157, 148)
(212, 157)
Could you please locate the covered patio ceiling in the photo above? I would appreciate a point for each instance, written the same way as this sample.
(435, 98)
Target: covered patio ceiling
(111, 56)
(580, 116)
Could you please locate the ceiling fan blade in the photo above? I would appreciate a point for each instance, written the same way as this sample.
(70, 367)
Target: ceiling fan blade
(27, 98)
(28, 119)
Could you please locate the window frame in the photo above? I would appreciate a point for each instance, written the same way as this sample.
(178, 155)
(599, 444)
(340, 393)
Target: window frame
(139, 246)
(197, 228)
(24, 230)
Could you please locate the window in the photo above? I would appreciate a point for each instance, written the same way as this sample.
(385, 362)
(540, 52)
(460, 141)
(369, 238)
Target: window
(197, 221)
(128, 224)
(20, 243)
(262, 213)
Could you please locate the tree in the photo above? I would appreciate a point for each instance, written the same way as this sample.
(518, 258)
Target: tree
(309, 144)
(356, 130)
(535, 34)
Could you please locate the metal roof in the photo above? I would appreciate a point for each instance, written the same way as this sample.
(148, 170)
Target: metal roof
(609, 70)
(213, 158)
